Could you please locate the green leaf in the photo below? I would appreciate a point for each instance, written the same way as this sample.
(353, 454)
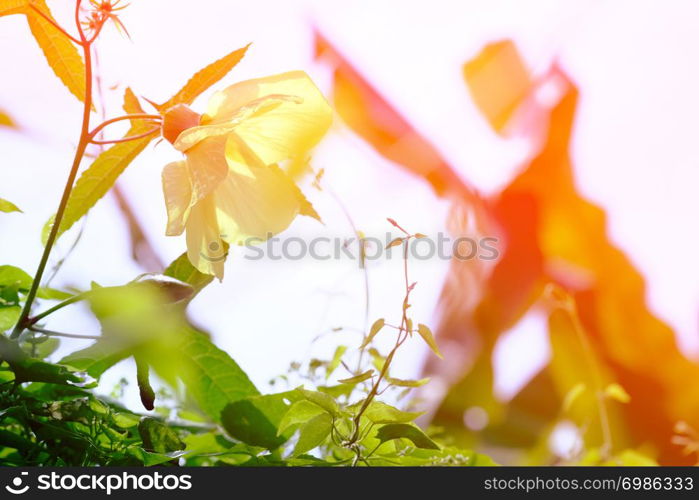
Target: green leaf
(43, 347)
(35, 370)
(337, 390)
(299, 413)
(213, 379)
(255, 420)
(99, 357)
(205, 78)
(427, 336)
(9, 315)
(98, 179)
(7, 206)
(321, 399)
(158, 437)
(182, 269)
(53, 294)
(358, 378)
(335, 362)
(11, 275)
(313, 433)
(140, 319)
(382, 413)
(375, 328)
(411, 432)
(398, 382)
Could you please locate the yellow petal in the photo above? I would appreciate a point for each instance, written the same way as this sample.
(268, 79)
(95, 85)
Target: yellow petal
(287, 129)
(205, 249)
(207, 166)
(178, 195)
(255, 202)
(192, 136)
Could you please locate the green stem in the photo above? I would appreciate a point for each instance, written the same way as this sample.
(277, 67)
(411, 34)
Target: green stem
(79, 152)
(60, 305)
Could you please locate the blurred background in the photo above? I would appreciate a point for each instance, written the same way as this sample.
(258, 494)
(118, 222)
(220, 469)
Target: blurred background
(565, 129)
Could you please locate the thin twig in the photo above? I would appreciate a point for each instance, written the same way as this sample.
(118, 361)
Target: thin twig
(126, 139)
(51, 333)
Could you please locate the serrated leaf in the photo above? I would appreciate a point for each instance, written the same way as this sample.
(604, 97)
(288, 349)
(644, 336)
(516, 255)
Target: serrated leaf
(98, 179)
(427, 336)
(375, 328)
(313, 433)
(7, 206)
(205, 78)
(411, 432)
(358, 378)
(300, 412)
(335, 362)
(213, 379)
(60, 53)
(398, 382)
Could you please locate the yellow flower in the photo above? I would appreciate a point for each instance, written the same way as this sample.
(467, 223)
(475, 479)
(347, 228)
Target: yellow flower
(230, 187)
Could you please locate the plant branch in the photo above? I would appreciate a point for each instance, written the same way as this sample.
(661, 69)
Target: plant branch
(135, 116)
(75, 298)
(52, 333)
(126, 139)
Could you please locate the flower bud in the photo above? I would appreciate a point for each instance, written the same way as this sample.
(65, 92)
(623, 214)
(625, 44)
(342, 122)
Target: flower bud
(178, 119)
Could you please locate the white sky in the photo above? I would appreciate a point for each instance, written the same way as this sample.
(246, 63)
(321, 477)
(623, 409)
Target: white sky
(634, 149)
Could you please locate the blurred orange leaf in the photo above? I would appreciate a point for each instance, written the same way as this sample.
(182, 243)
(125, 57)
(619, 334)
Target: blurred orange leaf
(373, 118)
(498, 82)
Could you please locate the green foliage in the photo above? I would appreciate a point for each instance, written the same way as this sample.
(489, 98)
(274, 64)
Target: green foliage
(413, 433)
(7, 206)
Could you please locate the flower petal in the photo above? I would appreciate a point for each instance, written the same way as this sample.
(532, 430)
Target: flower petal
(205, 249)
(193, 135)
(287, 129)
(255, 202)
(178, 196)
(207, 166)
